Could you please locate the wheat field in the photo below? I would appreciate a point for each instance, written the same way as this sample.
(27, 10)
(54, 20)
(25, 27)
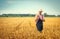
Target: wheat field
(25, 28)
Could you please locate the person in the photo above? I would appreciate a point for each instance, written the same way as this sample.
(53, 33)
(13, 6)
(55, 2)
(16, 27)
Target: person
(39, 19)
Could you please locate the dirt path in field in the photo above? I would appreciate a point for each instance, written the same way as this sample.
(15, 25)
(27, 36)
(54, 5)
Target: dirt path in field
(18, 26)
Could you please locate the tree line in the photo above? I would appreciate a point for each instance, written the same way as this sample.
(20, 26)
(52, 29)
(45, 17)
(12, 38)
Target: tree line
(26, 15)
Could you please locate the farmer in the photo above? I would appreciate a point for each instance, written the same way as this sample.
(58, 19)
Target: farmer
(39, 18)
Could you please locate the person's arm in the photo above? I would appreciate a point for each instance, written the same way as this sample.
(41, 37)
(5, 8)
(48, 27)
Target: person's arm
(36, 18)
(41, 17)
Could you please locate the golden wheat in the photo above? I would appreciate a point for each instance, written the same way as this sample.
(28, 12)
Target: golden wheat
(25, 28)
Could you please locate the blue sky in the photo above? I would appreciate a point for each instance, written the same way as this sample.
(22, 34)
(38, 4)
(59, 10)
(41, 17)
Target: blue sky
(29, 6)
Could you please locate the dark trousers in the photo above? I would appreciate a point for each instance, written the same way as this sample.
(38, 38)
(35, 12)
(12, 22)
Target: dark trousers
(39, 26)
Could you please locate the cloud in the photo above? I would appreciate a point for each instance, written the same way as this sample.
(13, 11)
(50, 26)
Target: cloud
(14, 11)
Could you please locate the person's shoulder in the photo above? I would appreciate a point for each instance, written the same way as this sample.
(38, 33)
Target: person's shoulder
(37, 14)
(42, 15)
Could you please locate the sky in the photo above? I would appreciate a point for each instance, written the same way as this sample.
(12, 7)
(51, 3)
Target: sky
(51, 7)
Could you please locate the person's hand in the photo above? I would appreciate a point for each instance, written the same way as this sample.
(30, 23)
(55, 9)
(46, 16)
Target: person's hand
(43, 20)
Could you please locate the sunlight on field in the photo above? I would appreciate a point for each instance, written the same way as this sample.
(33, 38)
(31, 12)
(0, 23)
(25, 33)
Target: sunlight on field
(25, 28)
